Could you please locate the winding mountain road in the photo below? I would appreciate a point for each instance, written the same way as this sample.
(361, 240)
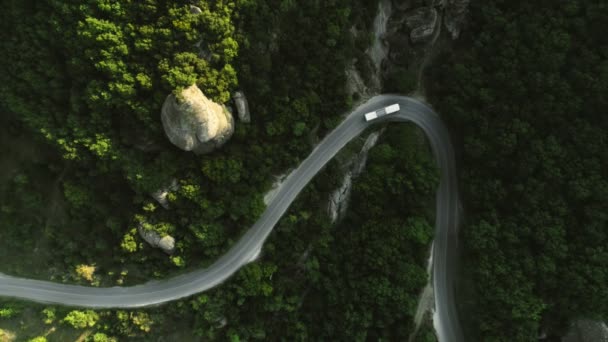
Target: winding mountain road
(248, 247)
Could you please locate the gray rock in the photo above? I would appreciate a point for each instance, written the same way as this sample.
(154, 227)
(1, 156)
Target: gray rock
(242, 106)
(166, 243)
(195, 10)
(354, 32)
(195, 123)
(354, 82)
(422, 22)
(587, 331)
(455, 15)
(221, 322)
(161, 194)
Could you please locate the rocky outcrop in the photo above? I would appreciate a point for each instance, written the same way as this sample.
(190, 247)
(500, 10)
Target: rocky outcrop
(195, 10)
(166, 243)
(354, 82)
(192, 122)
(338, 200)
(422, 22)
(455, 15)
(379, 49)
(161, 194)
(242, 106)
(586, 331)
(421, 18)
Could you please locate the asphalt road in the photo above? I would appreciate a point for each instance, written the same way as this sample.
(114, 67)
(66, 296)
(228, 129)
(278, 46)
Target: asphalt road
(248, 247)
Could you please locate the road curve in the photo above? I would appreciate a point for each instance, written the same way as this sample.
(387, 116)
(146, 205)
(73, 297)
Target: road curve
(247, 248)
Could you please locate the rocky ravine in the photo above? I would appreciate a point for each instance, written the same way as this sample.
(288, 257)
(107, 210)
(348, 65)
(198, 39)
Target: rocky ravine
(192, 122)
(377, 52)
(338, 200)
(455, 15)
(404, 33)
(413, 28)
(420, 16)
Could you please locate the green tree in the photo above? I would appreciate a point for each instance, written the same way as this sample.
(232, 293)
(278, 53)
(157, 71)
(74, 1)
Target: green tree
(38, 339)
(81, 319)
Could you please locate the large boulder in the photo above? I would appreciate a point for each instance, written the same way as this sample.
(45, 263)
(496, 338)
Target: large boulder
(192, 122)
(165, 243)
(195, 10)
(242, 106)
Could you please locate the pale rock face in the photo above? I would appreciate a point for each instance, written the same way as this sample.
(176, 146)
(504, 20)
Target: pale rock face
(378, 49)
(338, 200)
(195, 10)
(455, 15)
(166, 243)
(354, 82)
(242, 106)
(161, 194)
(585, 330)
(195, 123)
(422, 22)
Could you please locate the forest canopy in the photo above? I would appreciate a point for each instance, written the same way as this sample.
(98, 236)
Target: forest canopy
(525, 93)
(81, 89)
(89, 80)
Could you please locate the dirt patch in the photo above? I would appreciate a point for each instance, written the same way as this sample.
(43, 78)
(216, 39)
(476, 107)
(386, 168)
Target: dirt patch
(14, 150)
(7, 336)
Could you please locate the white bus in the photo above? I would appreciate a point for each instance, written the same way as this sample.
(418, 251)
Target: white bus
(382, 112)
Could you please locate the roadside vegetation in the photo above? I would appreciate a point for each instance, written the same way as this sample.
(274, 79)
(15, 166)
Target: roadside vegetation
(90, 83)
(82, 85)
(525, 95)
(356, 280)
(426, 332)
